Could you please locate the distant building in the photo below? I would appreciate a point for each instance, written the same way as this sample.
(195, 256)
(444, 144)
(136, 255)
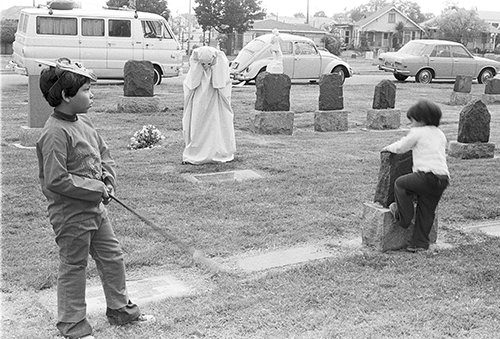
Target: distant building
(386, 29)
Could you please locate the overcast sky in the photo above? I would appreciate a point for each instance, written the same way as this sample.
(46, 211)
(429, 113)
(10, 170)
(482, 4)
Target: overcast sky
(290, 7)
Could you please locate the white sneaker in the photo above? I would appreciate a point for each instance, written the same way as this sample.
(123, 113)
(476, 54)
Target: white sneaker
(145, 319)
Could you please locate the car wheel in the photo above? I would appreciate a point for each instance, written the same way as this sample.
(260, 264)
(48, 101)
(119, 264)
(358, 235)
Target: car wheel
(485, 75)
(157, 75)
(424, 76)
(340, 71)
(400, 77)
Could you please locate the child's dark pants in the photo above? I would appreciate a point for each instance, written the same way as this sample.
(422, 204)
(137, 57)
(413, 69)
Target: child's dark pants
(76, 240)
(428, 189)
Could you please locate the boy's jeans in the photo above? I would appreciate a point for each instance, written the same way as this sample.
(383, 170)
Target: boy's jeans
(76, 240)
(428, 189)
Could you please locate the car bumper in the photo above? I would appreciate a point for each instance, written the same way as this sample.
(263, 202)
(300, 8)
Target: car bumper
(16, 68)
(393, 70)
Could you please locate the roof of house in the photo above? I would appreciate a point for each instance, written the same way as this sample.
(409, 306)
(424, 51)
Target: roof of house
(269, 25)
(364, 22)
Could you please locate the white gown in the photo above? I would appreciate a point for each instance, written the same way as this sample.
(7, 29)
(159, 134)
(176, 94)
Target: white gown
(208, 117)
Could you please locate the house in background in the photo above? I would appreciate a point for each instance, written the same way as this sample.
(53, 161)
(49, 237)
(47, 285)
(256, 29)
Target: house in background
(385, 30)
(488, 41)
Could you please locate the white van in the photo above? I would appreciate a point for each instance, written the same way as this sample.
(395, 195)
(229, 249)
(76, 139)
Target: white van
(102, 39)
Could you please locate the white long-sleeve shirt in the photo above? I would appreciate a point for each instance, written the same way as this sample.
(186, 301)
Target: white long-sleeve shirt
(428, 145)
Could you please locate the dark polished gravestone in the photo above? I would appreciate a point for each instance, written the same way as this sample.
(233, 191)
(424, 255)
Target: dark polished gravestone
(473, 133)
(273, 92)
(379, 228)
(331, 94)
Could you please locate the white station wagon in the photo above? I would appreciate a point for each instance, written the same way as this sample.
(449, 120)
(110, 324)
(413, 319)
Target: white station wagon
(302, 59)
(436, 59)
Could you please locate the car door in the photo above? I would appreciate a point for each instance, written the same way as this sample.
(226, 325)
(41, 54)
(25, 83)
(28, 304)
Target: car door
(93, 44)
(288, 57)
(120, 45)
(307, 61)
(463, 62)
(441, 61)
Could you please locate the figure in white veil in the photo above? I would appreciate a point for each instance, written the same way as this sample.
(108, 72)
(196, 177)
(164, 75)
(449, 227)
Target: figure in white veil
(276, 65)
(208, 117)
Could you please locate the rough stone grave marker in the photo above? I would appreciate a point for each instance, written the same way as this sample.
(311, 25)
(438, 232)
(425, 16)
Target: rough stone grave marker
(331, 115)
(492, 91)
(473, 133)
(461, 90)
(383, 115)
(379, 230)
(138, 88)
(273, 104)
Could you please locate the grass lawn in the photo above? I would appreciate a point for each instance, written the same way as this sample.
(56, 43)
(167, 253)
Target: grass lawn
(313, 189)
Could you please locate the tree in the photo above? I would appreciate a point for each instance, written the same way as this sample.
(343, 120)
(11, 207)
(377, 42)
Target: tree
(320, 14)
(410, 9)
(151, 6)
(228, 17)
(460, 25)
(299, 15)
(362, 11)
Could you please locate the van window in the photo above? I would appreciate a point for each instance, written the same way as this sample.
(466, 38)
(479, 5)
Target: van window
(21, 26)
(119, 28)
(92, 27)
(56, 26)
(155, 29)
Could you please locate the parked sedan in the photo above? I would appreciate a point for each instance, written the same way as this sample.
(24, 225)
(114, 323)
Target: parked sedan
(436, 59)
(302, 59)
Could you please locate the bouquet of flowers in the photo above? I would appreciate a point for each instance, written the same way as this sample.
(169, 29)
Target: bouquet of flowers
(148, 137)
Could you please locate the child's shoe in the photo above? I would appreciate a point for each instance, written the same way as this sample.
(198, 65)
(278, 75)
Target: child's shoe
(393, 207)
(144, 319)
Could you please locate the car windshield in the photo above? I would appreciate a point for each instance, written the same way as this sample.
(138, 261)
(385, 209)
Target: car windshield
(413, 48)
(255, 45)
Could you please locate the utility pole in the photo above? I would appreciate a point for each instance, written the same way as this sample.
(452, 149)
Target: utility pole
(307, 15)
(189, 29)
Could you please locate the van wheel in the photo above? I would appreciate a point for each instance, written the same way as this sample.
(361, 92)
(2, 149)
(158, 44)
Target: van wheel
(157, 75)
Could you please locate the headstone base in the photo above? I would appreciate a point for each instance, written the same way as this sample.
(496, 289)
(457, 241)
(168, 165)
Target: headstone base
(327, 121)
(383, 118)
(380, 233)
(29, 136)
(138, 104)
(477, 150)
(491, 98)
(273, 123)
(459, 98)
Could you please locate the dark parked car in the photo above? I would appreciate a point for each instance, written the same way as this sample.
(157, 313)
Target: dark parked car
(436, 59)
